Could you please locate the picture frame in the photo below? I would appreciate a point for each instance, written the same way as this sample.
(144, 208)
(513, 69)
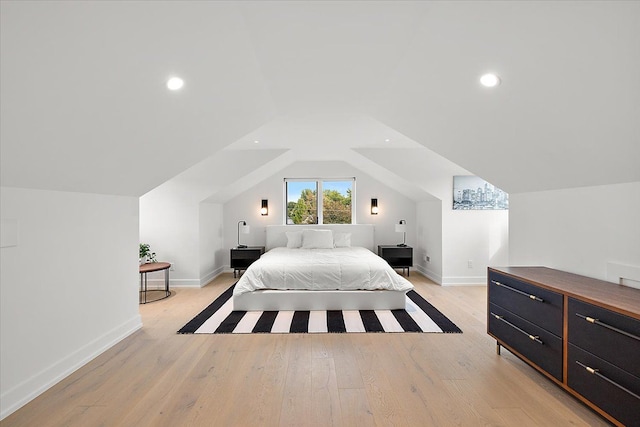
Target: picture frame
(471, 192)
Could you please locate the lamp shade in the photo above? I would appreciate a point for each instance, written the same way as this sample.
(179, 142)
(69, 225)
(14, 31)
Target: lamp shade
(244, 228)
(401, 228)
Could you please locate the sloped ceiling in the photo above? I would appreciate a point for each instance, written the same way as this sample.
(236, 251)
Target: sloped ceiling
(84, 106)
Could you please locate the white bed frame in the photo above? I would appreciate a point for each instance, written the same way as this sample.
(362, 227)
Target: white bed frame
(361, 235)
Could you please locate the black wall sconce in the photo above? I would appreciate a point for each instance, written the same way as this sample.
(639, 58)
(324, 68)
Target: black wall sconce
(374, 206)
(264, 210)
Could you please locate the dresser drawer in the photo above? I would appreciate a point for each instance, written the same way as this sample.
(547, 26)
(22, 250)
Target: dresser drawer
(604, 333)
(537, 305)
(536, 344)
(606, 386)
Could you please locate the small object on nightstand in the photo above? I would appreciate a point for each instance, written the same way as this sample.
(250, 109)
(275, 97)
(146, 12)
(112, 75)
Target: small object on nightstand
(401, 227)
(397, 256)
(244, 227)
(243, 257)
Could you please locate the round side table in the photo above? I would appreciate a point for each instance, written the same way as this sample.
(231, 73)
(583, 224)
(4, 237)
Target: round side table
(148, 268)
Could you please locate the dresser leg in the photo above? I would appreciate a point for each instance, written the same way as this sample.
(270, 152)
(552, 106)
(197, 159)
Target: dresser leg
(497, 348)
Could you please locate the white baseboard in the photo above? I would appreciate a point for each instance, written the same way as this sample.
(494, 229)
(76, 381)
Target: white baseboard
(173, 283)
(430, 274)
(464, 281)
(212, 275)
(452, 280)
(187, 283)
(23, 393)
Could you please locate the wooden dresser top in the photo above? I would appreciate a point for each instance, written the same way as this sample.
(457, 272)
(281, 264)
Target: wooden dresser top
(619, 298)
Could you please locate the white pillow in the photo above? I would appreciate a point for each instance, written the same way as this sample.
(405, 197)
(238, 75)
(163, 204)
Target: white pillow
(342, 240)
(294, 239)
(317, 239)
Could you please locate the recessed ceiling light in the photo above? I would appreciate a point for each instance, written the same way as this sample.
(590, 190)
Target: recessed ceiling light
(256, 142)
(175, 83)
(490, 80)
(387, 140)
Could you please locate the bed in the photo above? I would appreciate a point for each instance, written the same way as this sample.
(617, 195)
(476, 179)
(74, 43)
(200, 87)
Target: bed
(313, 276)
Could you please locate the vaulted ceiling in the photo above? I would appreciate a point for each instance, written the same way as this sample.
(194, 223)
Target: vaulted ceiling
(84, 106)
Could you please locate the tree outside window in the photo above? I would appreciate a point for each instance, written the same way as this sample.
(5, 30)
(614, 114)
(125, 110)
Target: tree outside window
(302, 202)
(336, 202)
(304, 207)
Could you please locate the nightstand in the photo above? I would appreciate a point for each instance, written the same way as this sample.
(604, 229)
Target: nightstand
(241, 258)
(397, 256)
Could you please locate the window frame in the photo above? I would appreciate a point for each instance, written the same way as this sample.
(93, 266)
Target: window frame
(319, 199)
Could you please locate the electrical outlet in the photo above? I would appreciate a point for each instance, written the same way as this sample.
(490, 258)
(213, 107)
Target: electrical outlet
(424, 258)
(428, 258)
(172, 268)
(469, 264)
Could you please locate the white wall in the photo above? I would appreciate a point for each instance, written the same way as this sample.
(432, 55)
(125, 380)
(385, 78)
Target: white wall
(212, 248)
(170, 223)
(577, 230)
(181, 229)
(429, 221)
(246, 206)
(68, 289)
(478, 236)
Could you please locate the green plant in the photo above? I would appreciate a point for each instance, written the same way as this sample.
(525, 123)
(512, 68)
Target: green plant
(145, 252)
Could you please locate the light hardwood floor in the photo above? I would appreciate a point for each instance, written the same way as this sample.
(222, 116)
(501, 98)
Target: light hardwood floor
(159, 378)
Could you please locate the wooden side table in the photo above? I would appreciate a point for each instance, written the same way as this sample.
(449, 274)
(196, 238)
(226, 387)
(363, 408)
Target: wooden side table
(148, 268)
(241, 258)
(397, 256)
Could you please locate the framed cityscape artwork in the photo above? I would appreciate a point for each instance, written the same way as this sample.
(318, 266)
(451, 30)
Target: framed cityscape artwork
(474, 193)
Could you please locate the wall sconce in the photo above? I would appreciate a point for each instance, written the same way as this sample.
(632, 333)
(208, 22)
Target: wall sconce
(401, 227)
(245, 230)
(264, 210)
(374, 206)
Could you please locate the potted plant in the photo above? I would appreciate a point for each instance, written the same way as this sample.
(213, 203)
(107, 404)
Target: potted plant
(146, 255)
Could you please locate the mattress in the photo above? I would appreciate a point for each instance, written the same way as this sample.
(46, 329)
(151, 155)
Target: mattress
(352, 268)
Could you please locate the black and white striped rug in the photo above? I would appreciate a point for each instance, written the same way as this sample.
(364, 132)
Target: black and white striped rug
(220, 318)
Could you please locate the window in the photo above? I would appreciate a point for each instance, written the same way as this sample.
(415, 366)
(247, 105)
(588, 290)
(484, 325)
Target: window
(336, 202)
(302, 202)
(303, 206)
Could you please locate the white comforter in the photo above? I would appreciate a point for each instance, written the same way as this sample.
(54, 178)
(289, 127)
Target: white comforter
(321, 269)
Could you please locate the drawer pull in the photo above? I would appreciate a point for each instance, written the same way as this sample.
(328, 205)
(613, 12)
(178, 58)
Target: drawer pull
(604, 325)
(597, 373)
(535, 338)
(533, 297)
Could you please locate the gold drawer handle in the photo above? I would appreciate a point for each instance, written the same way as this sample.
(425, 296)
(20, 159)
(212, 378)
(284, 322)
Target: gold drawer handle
(604, 325)
(535, 338)
(597, 373)
(518, 291)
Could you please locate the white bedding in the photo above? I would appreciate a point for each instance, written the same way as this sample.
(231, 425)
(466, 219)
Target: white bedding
(350, 268)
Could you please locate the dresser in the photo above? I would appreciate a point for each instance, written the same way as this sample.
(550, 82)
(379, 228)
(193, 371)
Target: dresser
(582, 333)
